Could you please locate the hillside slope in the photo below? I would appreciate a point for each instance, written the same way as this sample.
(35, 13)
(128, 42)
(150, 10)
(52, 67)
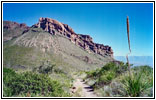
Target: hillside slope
(37, 46)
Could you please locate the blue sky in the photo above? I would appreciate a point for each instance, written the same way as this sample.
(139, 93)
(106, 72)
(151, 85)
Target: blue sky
(105, 22)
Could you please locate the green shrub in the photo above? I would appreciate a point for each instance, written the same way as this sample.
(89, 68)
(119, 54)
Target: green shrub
(115, 77)
(134, 85)
(105, 79)
(8, 75)
(147, 74)
(109, 66)
(140, 80)
(121, 68)
(106, 74)
(30, 83)
(46, 70)
(7, 91)
(58, 71)
(92, 74)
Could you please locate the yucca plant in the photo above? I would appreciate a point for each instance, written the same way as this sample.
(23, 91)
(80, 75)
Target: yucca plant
(134, 85)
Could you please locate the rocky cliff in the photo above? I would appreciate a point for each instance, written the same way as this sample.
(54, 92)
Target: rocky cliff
(12, 30)
(84, 41)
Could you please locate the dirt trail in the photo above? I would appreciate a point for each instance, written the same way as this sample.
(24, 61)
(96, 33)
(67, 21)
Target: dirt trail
(83, 89)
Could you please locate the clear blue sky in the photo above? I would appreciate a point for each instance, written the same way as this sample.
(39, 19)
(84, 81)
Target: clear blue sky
(105, 22)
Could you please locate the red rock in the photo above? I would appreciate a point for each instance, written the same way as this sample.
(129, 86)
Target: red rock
(84, 41)
(13, 30)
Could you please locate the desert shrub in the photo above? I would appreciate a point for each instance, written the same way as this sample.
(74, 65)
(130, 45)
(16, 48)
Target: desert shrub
(106, 74)
(146, 74)
(106, 78)
(8, 75)
(109, 66)
(140, 80)
(134, 86)
(93, 73)
(114, 80)
(58, 70)
(48, 69)
(122, 68)
(45, 68)
(30, 84)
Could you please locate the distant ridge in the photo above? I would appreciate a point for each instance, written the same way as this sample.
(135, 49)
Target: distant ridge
(13, 29)
(137, 60)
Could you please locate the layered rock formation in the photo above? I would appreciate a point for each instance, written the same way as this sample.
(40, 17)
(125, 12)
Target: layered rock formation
(84, 41)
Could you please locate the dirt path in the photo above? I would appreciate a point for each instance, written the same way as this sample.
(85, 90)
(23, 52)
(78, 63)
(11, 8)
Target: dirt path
(82, 89)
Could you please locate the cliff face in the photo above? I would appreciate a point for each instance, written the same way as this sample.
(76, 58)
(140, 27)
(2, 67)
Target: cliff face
(84, 41)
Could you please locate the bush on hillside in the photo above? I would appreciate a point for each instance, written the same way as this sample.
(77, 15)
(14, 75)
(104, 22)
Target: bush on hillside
(106, 74)
(30, 84)
(140, 80)
(114, 80)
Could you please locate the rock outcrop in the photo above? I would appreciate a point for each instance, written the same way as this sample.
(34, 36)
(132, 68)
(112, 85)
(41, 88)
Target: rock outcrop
(84, 41)
(12, 30)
